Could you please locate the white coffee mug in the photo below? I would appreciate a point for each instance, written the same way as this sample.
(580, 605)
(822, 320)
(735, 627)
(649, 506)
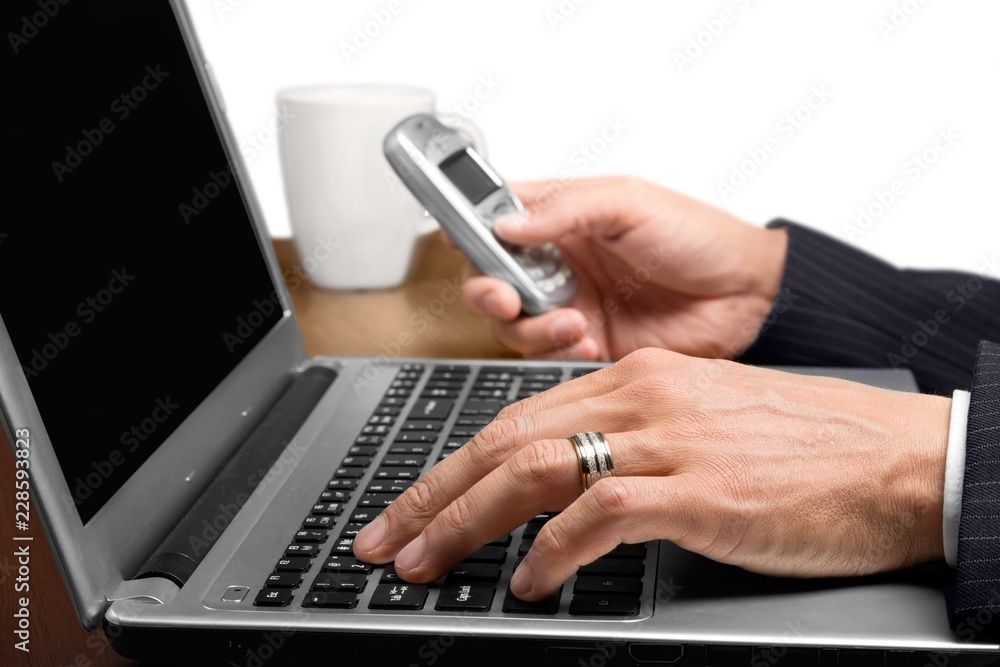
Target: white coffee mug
(355, 223)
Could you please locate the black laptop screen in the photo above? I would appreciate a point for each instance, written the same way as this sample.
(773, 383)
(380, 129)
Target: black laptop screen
(131, 281)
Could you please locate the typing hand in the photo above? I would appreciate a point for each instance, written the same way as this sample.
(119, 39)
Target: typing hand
(656, 269)
(780, 474)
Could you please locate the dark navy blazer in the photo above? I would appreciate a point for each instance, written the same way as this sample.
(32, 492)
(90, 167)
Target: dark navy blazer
(839, 306)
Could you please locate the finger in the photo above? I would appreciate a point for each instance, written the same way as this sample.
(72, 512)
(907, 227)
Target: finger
(585, 349)
(491, 297)
(514, 428)
(614, 511)
(602, 209)
(542, 476)
(541, 334)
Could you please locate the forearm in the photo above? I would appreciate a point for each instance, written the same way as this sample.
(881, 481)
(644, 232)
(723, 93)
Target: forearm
(839, 306)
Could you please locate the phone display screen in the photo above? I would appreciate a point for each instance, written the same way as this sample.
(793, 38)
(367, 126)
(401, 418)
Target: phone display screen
(469, 177)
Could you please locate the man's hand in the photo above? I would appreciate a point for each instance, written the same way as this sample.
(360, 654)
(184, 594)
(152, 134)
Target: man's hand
(778, 473)
(656, 269)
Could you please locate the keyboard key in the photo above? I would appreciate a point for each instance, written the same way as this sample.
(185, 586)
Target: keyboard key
(369, 440)
(398, 596)
(351, 530)
(390, 410)
(474, 572)
(335, 496)
(609, 585)
(502, 541)
(467, 596)
(327, 509)
(388, 486)
(366, 515)
(389, 575)
(293, 564)
(466, 432)
(617, 566)
(347, 564)
(431, 408)
(347, 484)
(604, 605)
(487, 555)
(331, 599)
(487, 407)
(344, 545)
(356, 461)
(549, 605)
(419, 437)
(422, 425)
(319, 522)
(381, 419)
(416, 449)
(283, 580)
(440, 393)
(524, 547)
(273, 597)
(627, 551)
(377, 499)
(340, 581)
(378, 429)
(404, 461)
(311, 536)
(397, 473)
(309, 550)
(349, 473)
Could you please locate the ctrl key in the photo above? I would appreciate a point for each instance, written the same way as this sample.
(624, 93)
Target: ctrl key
(331, 599)
(273, 597)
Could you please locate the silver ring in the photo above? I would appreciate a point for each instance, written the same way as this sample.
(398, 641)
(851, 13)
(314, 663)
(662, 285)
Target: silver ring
(594, 457)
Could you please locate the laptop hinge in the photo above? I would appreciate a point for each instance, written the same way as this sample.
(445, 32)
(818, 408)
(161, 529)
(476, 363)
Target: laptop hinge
(186, 545)
(154, 590)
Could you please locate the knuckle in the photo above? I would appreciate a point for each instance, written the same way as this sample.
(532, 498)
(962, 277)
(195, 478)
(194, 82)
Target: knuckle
(496, 439)
(417, 501)
(459, 517)
(539, 462)
(554, 542)
(613, 498)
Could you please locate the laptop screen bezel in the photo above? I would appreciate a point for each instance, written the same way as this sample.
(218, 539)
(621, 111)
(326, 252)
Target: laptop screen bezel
(95, 558)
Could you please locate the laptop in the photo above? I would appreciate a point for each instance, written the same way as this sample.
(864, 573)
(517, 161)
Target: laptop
(201, 480)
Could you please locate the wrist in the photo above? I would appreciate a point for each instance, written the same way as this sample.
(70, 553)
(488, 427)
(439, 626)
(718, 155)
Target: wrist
(928, 432)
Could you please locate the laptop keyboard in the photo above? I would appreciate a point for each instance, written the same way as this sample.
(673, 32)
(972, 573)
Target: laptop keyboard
(404, 436)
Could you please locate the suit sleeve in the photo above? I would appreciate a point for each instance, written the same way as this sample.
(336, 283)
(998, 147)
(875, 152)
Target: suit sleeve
(839, 306)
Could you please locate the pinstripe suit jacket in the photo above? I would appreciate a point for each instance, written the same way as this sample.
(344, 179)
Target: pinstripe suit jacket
(839, 306)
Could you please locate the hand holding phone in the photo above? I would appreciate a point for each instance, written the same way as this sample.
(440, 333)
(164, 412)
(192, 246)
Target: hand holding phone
(456, 186)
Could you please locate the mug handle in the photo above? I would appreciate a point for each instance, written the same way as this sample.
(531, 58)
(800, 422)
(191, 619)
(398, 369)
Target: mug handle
(427, 224)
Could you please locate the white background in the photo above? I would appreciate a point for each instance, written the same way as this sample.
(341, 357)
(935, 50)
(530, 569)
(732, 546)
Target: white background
(557, 82)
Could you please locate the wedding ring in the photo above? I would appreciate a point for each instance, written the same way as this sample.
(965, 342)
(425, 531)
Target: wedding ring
(594, 457)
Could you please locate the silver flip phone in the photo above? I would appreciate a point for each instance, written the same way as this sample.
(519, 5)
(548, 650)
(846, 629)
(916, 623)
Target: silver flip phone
(453, 182)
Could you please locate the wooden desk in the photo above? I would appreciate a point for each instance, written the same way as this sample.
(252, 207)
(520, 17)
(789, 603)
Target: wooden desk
(424, 318)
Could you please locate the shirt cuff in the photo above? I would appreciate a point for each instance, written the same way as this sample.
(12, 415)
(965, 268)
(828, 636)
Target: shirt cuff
(954, 473)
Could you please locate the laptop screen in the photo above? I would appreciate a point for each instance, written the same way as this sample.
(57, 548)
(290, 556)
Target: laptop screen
(131, 280)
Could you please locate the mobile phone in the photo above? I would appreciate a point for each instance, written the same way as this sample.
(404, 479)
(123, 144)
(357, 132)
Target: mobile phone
(442, 169)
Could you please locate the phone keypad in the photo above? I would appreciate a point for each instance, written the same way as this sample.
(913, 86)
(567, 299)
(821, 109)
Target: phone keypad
(545, 265)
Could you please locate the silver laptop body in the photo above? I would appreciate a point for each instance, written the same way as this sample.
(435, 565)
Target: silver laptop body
(691, 610)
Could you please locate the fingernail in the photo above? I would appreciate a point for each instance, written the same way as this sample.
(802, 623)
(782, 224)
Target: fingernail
(520, 583)
(412, 554)
(371, 536)
(491, 304)
(565, 330)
